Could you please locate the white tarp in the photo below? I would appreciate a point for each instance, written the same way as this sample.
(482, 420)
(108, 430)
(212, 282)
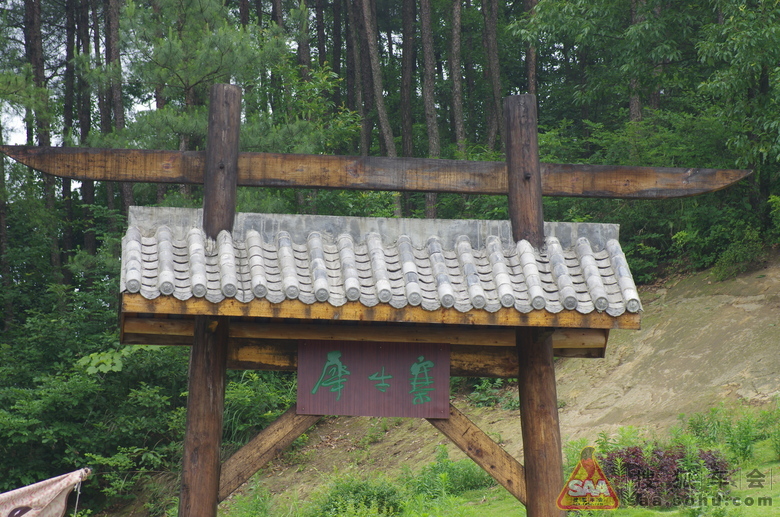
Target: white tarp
(49, 498)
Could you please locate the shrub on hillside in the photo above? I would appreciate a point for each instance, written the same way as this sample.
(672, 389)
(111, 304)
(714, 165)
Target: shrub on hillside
(665, 476)
(446, 477)
(354, 496)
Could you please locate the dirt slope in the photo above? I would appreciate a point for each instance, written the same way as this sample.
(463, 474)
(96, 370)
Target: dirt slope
(701, 342)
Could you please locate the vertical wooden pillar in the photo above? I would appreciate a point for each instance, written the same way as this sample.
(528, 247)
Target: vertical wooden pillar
(523, 174)
(538, 394)
(208, 357)
(539, 418)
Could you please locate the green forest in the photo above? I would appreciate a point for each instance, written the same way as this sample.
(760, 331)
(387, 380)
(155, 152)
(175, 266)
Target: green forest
(630, 82)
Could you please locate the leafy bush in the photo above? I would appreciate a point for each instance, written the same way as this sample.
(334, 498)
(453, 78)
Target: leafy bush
(252, 401)
(446, 477)
(665, 476)
(352, 496)
(774, 437)
(742, 254)
(717, 428)
(487, 392)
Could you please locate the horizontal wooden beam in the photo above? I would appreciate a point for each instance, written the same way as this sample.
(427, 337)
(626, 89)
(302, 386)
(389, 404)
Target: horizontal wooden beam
(484, 451)
(355, 311)
(487, 352)
(373, 172)
(465, 361)
(182, 330)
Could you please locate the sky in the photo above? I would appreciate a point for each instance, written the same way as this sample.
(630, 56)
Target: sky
(13, 128)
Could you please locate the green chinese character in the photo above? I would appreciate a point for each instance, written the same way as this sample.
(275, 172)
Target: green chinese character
(380, 376)
(421, 381)
(333, 374)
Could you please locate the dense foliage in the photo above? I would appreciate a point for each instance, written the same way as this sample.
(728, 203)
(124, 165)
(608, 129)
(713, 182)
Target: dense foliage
(651, 82)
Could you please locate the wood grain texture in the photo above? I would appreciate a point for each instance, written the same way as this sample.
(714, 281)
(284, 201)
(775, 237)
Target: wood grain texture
(221, 168)
(281, 355)
(205, 403)
(355, 311)
(264, 447)
(486, 453)
(523, 172)
(374, 173)
(501, 337)
(199, 495)
(539, 422)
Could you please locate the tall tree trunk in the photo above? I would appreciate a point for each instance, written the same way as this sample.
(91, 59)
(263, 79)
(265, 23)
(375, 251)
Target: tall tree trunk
(369, 21)
(634, 100)
(113, 60)
(243, 13)
(363, 72)
(276, 12)
(84, 93)
(457, 79)
(337, 42)
(319, 13)
(530, 53)
(429, 102)
(104, 112)
(159, 103)
(5, 265)
(115, 64)
(34, 50)
(429, 80)
(104, 106)
(304, 45)
(68, 105)
(469, 72)
(407, 76)
(390, 42)
(69, 79)
(259, 12)
(352, 59)
(276, 86)
(490, 39)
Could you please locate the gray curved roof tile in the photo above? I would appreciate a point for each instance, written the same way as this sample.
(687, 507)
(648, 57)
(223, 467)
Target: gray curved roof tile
(467, 265)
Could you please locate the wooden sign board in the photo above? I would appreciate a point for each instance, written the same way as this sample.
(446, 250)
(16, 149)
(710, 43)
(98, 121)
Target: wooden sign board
(374, 379)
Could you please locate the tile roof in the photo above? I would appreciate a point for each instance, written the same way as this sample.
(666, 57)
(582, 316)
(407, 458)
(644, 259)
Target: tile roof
(432, 264)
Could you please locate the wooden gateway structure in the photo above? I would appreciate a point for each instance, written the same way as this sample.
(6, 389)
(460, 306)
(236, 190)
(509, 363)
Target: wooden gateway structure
(259, 291)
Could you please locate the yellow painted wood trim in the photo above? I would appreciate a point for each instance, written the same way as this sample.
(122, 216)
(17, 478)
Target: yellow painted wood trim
(355, 311)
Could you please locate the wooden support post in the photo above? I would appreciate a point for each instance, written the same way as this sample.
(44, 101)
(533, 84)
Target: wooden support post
(205, 403)
(264, 447)
(539, 419)
(221, 179)
(538, 396)
(484, 451)
(208, 356)
(523, 172)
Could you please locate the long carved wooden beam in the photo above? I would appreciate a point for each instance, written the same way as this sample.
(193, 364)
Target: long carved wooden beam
(373, 172)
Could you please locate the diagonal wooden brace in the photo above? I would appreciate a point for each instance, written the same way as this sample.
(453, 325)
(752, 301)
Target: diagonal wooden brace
(484, 451)
(264, 447)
